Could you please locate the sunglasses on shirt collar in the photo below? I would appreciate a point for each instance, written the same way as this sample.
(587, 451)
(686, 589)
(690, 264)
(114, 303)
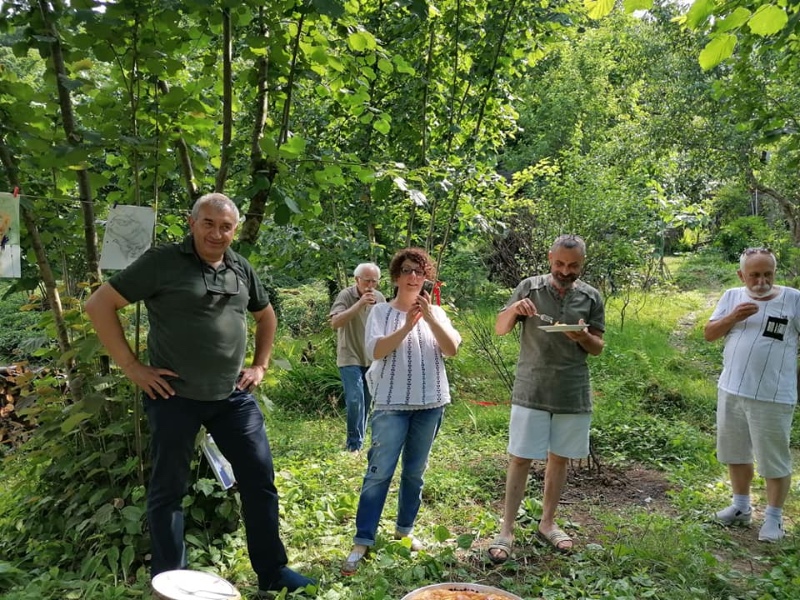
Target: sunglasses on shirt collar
(225, 290)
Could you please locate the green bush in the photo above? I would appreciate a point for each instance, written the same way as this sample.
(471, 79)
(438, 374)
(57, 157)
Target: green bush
(465, 281)
(304, 310)
(310, 389)
(742, 233)
(16, 328)
(705, 270)
(308, 379)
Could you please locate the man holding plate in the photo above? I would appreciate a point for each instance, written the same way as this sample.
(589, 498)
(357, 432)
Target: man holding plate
(551, 401)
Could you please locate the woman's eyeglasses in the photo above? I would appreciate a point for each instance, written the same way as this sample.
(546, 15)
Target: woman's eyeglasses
(409, 271)
(214, 289)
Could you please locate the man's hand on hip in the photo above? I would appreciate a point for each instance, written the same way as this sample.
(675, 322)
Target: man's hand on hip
(250, 377)
(150, 379)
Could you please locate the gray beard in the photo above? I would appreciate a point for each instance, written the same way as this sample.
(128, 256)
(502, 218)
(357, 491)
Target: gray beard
(758, 295)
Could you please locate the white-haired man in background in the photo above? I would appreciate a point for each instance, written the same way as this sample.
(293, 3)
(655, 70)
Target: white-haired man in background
(348, 317)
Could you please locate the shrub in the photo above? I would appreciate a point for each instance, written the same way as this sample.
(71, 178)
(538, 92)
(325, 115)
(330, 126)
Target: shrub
(705, 270)
(310, 389)
(742, 233)
(304, 310)
(16, 328)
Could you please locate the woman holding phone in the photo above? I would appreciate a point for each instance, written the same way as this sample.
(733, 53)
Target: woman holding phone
(407, 338)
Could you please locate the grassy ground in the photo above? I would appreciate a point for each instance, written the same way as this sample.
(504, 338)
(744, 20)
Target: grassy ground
(641, 517)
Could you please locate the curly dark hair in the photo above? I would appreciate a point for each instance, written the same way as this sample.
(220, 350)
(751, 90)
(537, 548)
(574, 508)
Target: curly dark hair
(417, 255)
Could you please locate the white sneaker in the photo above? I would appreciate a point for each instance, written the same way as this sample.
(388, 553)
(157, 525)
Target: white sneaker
(771, 531)
(734, 516)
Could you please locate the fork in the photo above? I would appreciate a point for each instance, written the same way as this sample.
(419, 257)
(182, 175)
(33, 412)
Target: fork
(546, 318)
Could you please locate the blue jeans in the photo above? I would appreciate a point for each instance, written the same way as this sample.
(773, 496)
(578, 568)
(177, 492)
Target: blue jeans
(237, 426)
(394, 431)
(357, 400)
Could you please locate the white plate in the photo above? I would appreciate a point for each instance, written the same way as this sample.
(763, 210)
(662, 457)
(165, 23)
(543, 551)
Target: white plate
(562, 327)
(185, 584)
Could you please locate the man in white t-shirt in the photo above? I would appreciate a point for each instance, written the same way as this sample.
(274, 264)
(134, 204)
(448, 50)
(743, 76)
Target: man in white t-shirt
(757, 390)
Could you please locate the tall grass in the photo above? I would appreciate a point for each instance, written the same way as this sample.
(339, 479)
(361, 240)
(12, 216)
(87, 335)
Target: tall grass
(654, 405)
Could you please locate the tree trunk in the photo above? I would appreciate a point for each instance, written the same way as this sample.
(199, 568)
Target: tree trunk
(50, 285)
(259, 166)
(74, 139)
(183, 155)
(227, 102)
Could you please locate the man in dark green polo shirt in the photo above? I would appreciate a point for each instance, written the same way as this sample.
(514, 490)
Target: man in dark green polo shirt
(198, 293)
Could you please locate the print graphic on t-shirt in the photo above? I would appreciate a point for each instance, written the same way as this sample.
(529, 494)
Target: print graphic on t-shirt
(776, 327)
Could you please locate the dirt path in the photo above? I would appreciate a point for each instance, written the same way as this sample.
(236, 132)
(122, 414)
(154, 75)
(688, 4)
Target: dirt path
(687, 322)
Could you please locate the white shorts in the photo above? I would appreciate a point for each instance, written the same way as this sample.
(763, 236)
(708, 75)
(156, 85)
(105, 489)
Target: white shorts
(533, 433)
(748, 428)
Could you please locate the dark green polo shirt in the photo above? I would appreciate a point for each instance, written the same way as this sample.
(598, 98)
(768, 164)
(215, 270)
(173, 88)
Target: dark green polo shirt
(552, 372)
(197, 315)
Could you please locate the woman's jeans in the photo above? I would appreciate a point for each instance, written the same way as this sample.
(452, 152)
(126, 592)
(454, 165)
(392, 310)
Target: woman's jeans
(237, 427)
(394, 431)
(357, 400)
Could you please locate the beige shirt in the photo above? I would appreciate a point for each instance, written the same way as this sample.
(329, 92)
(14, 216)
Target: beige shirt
(350, 350)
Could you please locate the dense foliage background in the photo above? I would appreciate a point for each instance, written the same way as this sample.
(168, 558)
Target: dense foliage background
(344, 130)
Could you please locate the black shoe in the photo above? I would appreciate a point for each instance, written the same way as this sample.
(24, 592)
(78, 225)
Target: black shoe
(289, 580)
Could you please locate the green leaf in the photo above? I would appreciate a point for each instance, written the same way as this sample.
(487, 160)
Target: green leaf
(734, 20)
(699, 13)
(419, 8)
(330, 174)
(128, 555)
(360, 41)
(269, 147)
(319, 55)
(441, 533)
(279, 196)
(94, 401)
(465, 540)
(70, 84)
(597, 9)
(104, 52)
(335, 64)
(294, 147)
(385, 66)
(330, 8)
(112, 557)
(768, 20)
(364, 174)
(402, 66)
(282, 215)
(717, 50)
(132, 513)
(74, 420)
(104, 514)
(382, 125)
(634, 5)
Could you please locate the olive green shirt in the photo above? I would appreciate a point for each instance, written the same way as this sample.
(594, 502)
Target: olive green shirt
(197, 315)
(552, 372)
(350, 351)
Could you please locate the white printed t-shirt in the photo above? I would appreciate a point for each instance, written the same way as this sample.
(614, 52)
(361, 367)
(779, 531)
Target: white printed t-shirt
(760, 356)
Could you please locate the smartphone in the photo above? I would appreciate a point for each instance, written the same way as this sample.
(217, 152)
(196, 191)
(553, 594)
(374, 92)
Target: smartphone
(427, 286)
